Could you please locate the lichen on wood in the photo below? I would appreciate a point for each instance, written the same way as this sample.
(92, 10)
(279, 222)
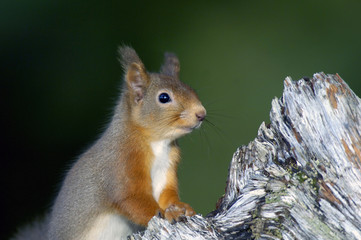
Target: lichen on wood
(299, 179)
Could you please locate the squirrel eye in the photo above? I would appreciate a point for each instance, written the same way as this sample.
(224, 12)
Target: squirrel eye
(164, 98)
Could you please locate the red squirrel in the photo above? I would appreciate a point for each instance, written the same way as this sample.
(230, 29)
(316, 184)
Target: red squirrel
(130, 173)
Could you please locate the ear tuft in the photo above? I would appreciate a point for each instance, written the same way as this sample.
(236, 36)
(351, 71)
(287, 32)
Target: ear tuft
(128, 56)
(171, 66)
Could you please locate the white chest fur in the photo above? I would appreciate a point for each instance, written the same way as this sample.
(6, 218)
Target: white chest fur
(110, 226)
(160, 166)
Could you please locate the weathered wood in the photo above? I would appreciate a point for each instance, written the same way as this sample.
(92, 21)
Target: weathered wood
(299, 179)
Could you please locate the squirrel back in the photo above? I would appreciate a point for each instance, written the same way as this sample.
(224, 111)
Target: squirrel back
(129, 174)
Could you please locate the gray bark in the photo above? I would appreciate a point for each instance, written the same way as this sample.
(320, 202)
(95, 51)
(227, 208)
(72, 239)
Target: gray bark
(299, 179)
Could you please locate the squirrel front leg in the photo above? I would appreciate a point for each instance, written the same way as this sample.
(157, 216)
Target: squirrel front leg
(169, 200)
(139, 208)
(133, 198)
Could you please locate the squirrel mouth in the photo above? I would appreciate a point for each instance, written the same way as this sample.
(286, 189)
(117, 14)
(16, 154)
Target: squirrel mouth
(191, 128)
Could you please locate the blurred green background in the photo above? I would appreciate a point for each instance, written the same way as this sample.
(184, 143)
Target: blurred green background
(59, 79)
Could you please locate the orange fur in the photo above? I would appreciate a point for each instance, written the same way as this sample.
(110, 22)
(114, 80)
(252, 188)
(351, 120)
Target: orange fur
(137, 202)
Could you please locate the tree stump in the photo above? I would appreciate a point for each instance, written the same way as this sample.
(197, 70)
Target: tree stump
(299, 179)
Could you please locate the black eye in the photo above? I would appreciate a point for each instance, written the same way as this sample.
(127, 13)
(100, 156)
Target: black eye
(164, 98)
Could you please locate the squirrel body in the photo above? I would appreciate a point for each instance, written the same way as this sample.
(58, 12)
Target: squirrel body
(130, 174)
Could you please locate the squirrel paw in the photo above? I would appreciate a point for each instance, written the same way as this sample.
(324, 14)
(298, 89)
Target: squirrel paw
(177, 212)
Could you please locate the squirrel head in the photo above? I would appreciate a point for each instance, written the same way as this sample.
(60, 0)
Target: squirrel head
(159, 102)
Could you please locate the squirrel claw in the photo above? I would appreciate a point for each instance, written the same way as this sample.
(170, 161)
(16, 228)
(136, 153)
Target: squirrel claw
(182, 219)
(160, 214)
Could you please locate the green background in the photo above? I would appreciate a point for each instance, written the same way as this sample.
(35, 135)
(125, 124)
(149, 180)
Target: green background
(60, 78)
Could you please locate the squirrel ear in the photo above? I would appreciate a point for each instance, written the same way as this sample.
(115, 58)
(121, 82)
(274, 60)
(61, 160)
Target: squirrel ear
(137, 80)
(171, 65)
(136, 75)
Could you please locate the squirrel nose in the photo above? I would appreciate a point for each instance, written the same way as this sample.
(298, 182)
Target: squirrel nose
(200, 116)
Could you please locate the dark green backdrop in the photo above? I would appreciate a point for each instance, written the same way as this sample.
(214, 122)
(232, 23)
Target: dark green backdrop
(59, 78)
